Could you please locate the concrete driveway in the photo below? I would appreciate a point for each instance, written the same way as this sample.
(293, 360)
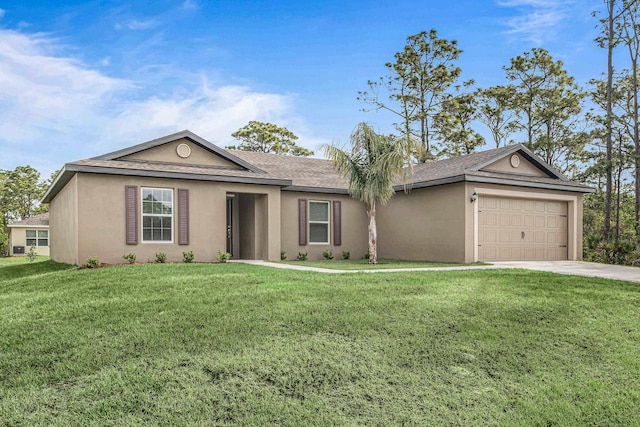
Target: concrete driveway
(577, 268)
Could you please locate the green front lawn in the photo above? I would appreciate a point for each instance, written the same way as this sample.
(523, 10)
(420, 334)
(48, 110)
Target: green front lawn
(4, 261)
(363, 264)
(178, 344)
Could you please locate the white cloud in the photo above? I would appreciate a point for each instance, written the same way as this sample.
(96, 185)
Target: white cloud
(538, 19)
(189, 5)
(138, 25)
(213, 113)
(38, 88)
(56, 109)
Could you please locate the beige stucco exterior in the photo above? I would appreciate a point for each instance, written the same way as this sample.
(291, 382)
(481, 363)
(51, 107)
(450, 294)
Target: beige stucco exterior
(441, 223)
(168, 153)
(63, 222)
(99, 229)
(354, 226)
(18, 237)
(524, 167)
(424, 224)
(87, 218)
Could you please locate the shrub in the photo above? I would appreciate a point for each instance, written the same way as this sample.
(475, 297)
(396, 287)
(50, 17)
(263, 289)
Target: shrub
(223, 256)
(130, 257)
(621, 252)
(346, 254)
(92, 262)
(32, 254)
(283, 255)
(366, 256)
(161, 258)
(188, 257)
(328, 254)
(302, 256)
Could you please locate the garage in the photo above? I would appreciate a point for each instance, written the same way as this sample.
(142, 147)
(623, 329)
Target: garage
(511, 229)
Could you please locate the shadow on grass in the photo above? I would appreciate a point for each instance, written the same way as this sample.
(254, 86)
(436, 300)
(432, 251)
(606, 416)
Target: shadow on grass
(21, 270)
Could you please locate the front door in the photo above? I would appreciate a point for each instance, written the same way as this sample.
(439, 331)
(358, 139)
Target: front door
(230, 225)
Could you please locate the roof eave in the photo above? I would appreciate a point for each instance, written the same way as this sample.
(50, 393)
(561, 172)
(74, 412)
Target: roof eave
(64, 176)
(71, 169)
(306, 189)
(530, 184)
(493, 180)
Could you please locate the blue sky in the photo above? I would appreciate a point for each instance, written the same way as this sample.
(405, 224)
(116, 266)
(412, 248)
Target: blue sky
(79, 79)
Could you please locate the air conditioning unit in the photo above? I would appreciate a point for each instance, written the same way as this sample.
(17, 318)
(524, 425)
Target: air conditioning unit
(18, 250)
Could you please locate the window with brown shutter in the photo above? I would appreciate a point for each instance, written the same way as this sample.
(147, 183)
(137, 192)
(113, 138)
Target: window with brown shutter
(337, 223)
(131, 214)
(183, 216)
(302, 222)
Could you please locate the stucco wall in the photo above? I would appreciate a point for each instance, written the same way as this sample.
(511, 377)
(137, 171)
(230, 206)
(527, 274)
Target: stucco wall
(101, 218)
(354, 226)
(63, 224)
(18, 237)
(426, 224)
(524, 168)
(167, 153)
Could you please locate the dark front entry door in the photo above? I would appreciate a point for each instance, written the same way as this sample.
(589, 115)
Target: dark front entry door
(230, 225)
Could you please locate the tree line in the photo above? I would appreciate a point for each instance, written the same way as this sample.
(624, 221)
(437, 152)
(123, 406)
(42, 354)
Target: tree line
(591, 133)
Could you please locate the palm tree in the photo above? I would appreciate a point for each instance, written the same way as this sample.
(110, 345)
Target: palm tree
(371, 166)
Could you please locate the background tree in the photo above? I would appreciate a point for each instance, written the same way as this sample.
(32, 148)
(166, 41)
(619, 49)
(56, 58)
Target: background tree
(609, 39)
(414, 88)
(496, 113)
(268, 138)
(453, 124)
(371, 166)
(629, 32)
(547, 102)
(21, 194)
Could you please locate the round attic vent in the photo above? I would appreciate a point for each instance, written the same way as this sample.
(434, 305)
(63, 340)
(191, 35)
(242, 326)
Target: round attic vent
(183, 150)
(515, 161)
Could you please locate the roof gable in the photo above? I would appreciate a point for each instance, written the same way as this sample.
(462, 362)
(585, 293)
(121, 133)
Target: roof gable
(517, 160)
(165, 149)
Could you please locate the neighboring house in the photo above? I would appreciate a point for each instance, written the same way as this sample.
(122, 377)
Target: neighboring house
(32, 231)
(181, 193)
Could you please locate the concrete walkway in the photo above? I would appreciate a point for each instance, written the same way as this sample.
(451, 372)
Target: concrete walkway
(577, 268)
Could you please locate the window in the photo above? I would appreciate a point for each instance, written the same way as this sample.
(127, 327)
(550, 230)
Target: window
(37, 237)
(157, 215)
(318, 222)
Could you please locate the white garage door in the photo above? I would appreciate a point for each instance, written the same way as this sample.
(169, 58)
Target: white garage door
(521, 229)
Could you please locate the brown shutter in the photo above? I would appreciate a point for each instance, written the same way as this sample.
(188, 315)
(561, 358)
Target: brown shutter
(183, 216)
(302, 222)
(337, 223)
(131, 214)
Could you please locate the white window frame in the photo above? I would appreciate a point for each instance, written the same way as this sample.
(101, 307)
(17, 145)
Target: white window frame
(327, 222)
(143, 215)
(37, 238)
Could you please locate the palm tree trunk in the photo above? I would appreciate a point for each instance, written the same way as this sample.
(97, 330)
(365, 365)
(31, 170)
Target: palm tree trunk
(373, 236)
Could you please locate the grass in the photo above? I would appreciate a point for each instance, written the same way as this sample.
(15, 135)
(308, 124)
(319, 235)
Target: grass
(178, 344)
(363, 264)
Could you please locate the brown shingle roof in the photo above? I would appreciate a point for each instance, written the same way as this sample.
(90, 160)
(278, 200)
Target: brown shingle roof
(37, 220)
(302, 171)
(309, 174)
